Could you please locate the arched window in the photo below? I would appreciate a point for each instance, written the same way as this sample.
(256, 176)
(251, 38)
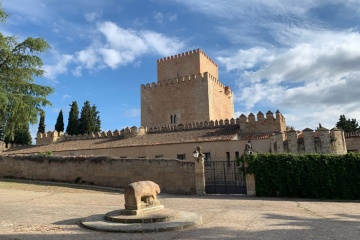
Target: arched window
(174, 119)
(171, 119)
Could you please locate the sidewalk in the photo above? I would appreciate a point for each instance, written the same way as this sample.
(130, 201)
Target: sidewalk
(42, 211)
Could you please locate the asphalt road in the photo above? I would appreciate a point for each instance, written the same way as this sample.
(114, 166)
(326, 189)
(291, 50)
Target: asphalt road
(45, 211)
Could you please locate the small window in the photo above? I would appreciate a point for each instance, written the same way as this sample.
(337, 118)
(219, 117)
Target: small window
(207, 159)
(174, 119)
(158, 156)
(228, 158)
(181, 156)
(171, 119)
(237, 155)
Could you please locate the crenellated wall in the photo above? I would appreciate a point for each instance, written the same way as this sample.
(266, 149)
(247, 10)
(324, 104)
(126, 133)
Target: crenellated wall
(195, 98)
(185, 64)
(263, 124)
(308, 141)
(52, 137)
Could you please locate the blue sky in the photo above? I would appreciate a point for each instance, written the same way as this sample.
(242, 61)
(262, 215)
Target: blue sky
(301, 57)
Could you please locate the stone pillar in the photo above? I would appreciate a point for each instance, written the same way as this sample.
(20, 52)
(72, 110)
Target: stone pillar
(292, 141)
(199, 172)
(308, 135)
(250, 178)
(200, 176)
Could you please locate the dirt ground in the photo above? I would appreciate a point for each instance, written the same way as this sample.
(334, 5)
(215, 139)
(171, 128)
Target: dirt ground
(40, 210)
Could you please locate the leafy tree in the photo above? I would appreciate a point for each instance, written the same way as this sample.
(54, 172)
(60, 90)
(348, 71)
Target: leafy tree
(59, 126)
(21, 99)
(73, 121)
(89, 120)
(41, 128)
(347, 125)
(22, 136)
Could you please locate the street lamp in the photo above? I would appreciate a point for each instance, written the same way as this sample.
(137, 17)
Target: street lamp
(195, 154)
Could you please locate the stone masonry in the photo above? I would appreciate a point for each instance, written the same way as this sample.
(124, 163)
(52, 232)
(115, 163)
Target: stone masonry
(187, 91)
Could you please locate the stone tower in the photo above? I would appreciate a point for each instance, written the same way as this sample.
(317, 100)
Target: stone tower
(187, 91)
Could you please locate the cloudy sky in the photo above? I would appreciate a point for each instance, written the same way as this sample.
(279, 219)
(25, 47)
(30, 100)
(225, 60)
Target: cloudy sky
(301, 57)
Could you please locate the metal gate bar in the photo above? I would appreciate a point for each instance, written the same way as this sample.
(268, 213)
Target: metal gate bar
(223, 177)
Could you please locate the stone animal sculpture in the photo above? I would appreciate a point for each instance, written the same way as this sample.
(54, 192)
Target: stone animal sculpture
(141, 194)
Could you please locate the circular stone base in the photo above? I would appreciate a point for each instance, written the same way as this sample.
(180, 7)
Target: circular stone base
(183, 220)
(162, 215)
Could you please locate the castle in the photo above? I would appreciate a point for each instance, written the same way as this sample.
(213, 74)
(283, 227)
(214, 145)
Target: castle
(186, 107)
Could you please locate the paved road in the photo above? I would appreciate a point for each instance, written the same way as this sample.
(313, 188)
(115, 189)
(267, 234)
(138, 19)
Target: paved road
(47, 211)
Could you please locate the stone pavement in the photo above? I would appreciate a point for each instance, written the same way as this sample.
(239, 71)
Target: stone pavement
(34, 210)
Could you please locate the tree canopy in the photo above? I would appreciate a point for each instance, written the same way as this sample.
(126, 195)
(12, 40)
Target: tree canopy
(41, 128)
(59, 126)
(73, 120)
(89, 119)
(347, 125)
(21, 100)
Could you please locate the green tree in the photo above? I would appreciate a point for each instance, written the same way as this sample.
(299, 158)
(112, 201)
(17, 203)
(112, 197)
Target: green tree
(22, 136)
(41, 128)
(86, 124)
(73, 121)
(59, 126)
(89, 120)
(347, 125)
(96, 119)
(21, 99)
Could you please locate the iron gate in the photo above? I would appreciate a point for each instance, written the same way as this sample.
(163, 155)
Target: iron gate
(224, 177)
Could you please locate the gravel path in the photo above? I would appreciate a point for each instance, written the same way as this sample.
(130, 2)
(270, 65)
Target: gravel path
(35, 210)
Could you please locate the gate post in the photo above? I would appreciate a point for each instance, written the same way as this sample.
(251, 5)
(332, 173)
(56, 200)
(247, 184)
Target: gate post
(199, 171)
(250, 178)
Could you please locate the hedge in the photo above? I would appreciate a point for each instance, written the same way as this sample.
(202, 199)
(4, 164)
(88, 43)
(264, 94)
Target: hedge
(325, 176)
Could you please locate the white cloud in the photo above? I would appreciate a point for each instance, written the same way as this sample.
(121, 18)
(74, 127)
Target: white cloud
(113, 46)
(158, 16)
(66, 96)
(91, 17)
(316, 78)
(59, 67)
(172, 17)
(132, 113)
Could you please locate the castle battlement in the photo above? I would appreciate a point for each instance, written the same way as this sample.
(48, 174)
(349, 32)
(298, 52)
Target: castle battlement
(263, 123)
(186, 54)
(200, 77)
(309, 141)
(56, 137)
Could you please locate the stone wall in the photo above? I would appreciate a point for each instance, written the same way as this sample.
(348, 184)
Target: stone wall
(353, 141)
(185, 64)
(191, 99)
(321, 141)
(262, 124)
(173, 176)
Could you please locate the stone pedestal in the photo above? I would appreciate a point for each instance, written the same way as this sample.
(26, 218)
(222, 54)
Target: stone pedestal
(200, 175)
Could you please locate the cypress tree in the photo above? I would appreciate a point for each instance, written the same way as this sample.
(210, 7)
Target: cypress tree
(95, 119)
(59, 126)
(86, 124)
(73, 121)
(41, 128)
